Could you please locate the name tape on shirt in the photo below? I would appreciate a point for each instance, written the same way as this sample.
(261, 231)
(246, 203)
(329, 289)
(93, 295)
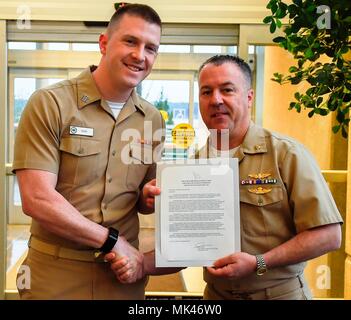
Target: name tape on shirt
(81, 131)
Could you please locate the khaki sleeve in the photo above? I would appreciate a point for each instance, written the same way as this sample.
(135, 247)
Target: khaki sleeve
(310, 200)
(37, 136)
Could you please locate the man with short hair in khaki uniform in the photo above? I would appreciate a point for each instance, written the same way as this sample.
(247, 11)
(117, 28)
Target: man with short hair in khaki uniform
(85, 158)
(287, 213)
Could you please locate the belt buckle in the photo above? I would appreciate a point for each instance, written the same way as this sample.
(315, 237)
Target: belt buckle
(242, 295)
(97, 254)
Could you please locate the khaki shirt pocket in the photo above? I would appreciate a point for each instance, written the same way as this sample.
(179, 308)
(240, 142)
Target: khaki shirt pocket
(79, 160)
(257, 209)
(139, 163)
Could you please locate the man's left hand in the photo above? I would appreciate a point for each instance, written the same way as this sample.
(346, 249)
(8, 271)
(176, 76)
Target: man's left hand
(148, 194)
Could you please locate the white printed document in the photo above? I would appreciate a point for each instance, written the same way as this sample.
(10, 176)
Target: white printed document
(198, 212)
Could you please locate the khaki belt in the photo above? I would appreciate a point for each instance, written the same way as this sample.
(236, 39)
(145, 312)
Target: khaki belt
(65, 253)
(274, 291)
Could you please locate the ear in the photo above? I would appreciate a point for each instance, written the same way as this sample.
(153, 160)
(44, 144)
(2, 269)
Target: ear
(103, 39)
(250, 97)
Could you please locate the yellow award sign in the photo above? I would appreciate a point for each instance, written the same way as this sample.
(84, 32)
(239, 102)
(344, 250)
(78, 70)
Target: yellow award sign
(183, 135)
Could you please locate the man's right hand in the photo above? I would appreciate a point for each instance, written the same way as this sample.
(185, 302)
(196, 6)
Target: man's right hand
(131, 259)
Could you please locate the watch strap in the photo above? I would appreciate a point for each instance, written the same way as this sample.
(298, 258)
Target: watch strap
(110, 241)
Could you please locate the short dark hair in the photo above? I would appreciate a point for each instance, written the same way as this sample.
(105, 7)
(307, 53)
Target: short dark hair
(219, 59)
(135, 9)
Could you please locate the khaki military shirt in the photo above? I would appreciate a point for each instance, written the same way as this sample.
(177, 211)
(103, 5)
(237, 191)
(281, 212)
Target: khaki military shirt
(294, 197)
(101, 164)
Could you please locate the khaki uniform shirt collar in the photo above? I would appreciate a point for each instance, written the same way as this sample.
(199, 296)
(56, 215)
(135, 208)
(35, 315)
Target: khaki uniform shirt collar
(87, 90)
(89, 93)
(254, 142)
(132, 105)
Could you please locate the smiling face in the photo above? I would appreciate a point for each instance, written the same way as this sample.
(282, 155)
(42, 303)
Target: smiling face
(129, 51)
(225, 99)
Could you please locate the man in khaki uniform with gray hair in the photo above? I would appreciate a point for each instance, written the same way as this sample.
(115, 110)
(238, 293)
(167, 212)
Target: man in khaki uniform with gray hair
(287, 213)
(84, 158)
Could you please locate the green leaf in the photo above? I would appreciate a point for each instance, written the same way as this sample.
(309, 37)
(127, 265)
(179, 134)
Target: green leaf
(301, 62)
(279, 23)
(295, 80)
(297, 96)
(280, 13)
(274, 7)
(340, 116)
(340, 63)
(278, 39)
(288, 30)
(292, 105)
(311, 113)
(293, 69)
(273, 27)
(267, 19)
(292, 9)
(309, 53)
(336, 128)
(323, 112)
(344, 49)
(298, 2)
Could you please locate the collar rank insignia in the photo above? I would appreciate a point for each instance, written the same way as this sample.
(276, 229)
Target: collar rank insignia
(259, 178)
(260, 190)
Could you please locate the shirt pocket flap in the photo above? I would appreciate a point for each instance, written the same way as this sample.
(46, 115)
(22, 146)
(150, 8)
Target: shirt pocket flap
(80, 147)
(261, 197)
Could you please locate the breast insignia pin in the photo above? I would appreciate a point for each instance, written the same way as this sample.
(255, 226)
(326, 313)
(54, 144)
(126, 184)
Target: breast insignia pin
(260, 190)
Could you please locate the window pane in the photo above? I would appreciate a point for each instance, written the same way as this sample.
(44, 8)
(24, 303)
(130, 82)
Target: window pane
(58, 46)
(207, 49)
(201, 131)
(85, 47)
(174, 48)
(171, 96)
(23, 88)
(22, 45)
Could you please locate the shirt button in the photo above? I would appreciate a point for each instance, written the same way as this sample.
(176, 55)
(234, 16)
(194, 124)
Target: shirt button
(109, 180)
(260, 202)
(257, 147)
(114, 152)
(80, 151)
(104, 206)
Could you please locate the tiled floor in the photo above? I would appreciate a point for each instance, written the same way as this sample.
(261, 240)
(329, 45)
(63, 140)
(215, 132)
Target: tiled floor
(18, 235)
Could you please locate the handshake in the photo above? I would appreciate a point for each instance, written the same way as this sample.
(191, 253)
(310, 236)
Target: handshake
(129, 265)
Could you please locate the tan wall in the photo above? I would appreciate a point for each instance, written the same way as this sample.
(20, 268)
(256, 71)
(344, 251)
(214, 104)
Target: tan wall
(315, 133)
(348, 221)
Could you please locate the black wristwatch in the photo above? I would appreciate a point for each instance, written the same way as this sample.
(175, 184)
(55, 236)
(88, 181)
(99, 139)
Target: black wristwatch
(110, 241)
